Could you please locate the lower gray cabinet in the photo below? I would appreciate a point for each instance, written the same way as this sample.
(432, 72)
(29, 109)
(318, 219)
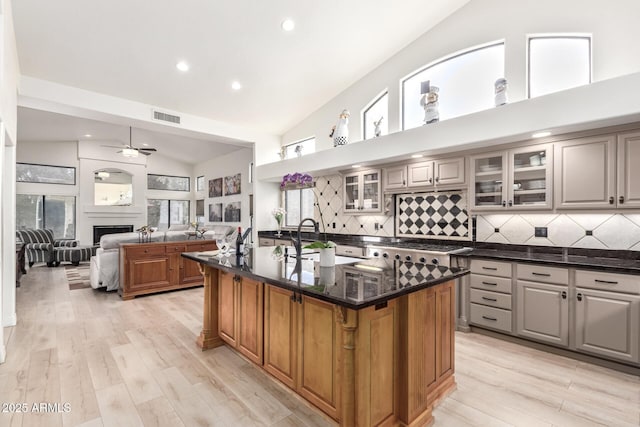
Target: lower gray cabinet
(543, 312)
(608, 324)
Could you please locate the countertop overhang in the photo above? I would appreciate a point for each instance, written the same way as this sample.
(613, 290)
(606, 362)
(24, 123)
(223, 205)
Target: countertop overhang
(355, 285)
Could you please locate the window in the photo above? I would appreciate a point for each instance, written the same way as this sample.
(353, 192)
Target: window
(557, 63)
(377, 110)
(165, 182)
(165, 213)
(45, 174)
(55, 212)
(299, 205)
(200, 183)
(306, 146)
(465, 81)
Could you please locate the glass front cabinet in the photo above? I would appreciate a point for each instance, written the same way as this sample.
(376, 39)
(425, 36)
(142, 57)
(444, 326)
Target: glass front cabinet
(362, 192)
(519, 178)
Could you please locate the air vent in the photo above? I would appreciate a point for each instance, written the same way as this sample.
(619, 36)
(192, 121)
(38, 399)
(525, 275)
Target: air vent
(159, 115)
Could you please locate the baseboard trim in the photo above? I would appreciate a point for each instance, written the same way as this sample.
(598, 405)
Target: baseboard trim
(627, 369)
(11, 320)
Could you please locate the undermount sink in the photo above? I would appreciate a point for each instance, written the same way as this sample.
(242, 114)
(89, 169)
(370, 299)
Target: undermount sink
(315, 256)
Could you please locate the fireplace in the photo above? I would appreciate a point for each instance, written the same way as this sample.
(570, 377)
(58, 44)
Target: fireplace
(101, 230)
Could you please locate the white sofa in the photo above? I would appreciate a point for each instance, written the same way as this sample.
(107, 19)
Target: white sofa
(105, 265)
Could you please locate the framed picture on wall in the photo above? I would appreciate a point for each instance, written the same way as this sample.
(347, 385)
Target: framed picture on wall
(215, 212)
(215, 187)
(232, 212)
(232, 185)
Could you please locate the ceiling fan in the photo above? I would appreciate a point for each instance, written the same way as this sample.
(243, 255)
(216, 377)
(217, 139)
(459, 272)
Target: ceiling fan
(130, 150)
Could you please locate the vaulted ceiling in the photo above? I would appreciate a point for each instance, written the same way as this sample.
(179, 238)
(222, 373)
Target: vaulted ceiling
(129, 49)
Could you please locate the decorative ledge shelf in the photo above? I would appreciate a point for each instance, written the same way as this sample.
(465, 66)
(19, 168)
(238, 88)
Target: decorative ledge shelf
(600, 104)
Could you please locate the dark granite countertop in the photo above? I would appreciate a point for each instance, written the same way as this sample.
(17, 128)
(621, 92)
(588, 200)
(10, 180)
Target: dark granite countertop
(353, 283)
(620, 261)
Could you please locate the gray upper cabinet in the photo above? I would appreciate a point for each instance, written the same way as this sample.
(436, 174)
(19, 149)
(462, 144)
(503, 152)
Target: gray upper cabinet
(585, 173)
(514, 179)
(420, 174)
(395, 177)
(428, 174)
(628, 170)
(361, 192)
(449, 171)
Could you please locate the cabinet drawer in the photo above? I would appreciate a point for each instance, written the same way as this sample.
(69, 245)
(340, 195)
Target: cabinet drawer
(266, 242)
(542, 273)
(491, 268)
(494, 299)
(490, 283)
(145, 251)
(201, 246)
(490, 317)
(176, 248)
(608, 281)
(349, 250)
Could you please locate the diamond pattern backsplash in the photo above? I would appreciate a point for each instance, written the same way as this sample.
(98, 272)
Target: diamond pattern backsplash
(329, 195)
(591, 231)
(433, 215)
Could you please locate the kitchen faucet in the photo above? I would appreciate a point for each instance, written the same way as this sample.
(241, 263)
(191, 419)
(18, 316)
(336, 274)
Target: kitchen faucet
(297, 243)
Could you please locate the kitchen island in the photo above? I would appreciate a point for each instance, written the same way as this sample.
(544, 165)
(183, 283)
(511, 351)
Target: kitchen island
(368, 341)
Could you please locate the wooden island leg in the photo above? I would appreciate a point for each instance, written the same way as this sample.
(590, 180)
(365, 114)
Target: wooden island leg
(349, 321)
(209, 337)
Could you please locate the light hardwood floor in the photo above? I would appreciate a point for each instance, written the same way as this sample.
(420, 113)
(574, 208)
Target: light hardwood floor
(121, 363)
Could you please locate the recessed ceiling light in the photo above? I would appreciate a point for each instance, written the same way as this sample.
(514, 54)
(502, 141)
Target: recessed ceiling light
(417, 156)
(288, 24)
(182, 66)
(356, 166)
(87, 135)
(541, 134)
(236, 85)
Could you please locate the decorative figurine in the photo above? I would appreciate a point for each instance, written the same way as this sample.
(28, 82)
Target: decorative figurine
(429, 101)
(340, 132)
(377, 131)
(298, 150)
(501, 91)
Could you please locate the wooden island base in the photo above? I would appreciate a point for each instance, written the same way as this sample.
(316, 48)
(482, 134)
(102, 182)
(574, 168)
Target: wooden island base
(385, 365)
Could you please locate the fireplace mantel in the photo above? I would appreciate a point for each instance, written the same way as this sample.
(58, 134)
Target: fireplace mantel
(93, 211)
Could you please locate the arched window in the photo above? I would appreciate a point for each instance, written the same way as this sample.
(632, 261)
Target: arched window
(557, 63)
(465, 82)
(377, 110)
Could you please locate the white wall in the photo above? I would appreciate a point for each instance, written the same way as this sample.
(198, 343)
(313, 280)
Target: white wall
(219, 167)
(614, 29)
(10, 72)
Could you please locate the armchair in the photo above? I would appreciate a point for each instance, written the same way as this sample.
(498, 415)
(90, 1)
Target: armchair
(40, 245)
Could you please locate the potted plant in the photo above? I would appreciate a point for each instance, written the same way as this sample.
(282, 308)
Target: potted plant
(327, 252)
(278, 215)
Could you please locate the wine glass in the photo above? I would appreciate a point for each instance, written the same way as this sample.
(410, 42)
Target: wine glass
(223, 245)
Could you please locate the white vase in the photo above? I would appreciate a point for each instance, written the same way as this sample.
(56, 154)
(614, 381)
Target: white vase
(327, 257)
(327, 276)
